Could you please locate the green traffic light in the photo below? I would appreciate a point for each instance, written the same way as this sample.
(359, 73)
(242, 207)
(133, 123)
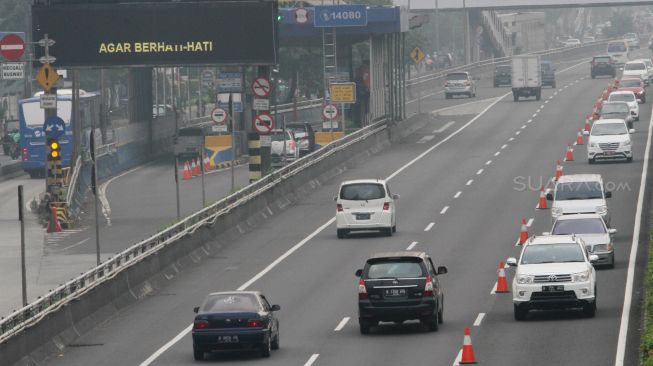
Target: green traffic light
(279, 18)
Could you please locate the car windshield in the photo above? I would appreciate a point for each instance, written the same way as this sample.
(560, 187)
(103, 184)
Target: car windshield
(552, 253)
(220, 303)
(617, 47)
(578, 191)
(625, 97)
(579, 226)
(630, 83)
(395, 268)
(604, 129)
(635, 66)
(614, 108)
(602, 59)
(362, 191)
(457, 77)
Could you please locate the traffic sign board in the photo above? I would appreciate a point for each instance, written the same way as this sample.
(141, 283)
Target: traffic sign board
(417, 55)
(13, 70)
(48, 101)
(263, 123)
(340, 16)
(229, 82)
(208, 78)
(301, 16)
(219, 115)
(261, 87)
(261, 104)
(54, 127)
(330, 111)
(47, 77)
(342, 92)
(12, 47)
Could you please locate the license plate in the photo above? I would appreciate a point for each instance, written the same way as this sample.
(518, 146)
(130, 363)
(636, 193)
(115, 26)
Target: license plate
(363, 216)
(555, 288)
(228, 339)
(394, 292)
(608, 152)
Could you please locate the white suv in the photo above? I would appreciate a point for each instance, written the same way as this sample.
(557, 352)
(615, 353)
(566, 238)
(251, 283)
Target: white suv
(554, 272)
(609, 139)
(365, 204)
(628, 97)
(639, 69)
(459, 83)
(579, 193)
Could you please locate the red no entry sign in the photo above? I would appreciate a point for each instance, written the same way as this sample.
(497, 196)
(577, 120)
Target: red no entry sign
(12, 47)
(263, 123)
(261, 87)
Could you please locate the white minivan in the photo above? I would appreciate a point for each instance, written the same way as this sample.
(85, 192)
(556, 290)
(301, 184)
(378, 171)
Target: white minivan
(365, 204)
(619, 52)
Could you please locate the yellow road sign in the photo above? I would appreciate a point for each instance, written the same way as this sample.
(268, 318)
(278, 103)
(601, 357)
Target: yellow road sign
(343, 92)
(47, 77)
(417, 55)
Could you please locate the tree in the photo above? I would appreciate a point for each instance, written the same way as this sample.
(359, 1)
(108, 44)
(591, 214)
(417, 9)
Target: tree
(620, 23)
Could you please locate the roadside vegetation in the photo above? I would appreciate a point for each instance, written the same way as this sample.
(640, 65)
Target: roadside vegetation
(646, 345)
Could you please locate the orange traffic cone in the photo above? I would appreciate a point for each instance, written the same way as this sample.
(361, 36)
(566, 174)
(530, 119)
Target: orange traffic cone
(579, 137)
(523, 233)
(193, 168)
(198, 167)
(187, 174)
(54, 226)
(207, 165)
(502, 284)
(468, 350)
(609, 87)
(542, 205)
(587, 123)
(569, 156)
(604, 95)
(558, 170)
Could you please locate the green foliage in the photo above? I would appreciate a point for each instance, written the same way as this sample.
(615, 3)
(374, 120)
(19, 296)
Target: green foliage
(302, 66)
(621, 23)
(646, 343)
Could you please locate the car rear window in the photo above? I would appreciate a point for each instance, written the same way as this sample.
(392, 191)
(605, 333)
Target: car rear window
(362, 191)
(578, 191)
(457, 77)
(635, 66)
(609, 108)
(395, 268)
(602, 59)
(579, 226)
(230, 303)
(630, 83)
(625, 97)
(617, 47)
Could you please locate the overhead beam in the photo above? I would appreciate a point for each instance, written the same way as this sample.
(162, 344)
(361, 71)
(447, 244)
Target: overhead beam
(429, 5)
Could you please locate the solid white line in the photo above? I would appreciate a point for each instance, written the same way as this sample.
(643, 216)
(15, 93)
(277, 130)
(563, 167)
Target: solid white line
(458, 194)
(504, 146)
(469, 182)
(479, 172)
(165, 347)
(444, 210)
(494, 289)
(312, 359)
(412, 245)
(102, 194)
(429, 226)
(456, 362)
(497, 153)
(488, 162)
(628, 296)
(443, 128)
(530, 222)
(342, 324)
(479, 319)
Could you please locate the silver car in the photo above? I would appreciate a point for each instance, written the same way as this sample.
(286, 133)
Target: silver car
(459, 83)
(598, 238)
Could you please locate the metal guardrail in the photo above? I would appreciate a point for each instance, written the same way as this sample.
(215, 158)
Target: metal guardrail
(53, 300)
(73, 181)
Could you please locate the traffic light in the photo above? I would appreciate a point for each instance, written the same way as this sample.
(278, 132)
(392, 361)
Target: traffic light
(279, 17)
(54, 148)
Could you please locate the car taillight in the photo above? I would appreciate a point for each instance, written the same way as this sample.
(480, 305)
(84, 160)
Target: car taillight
(446, 83)
(254, 323)
(386, 206)
(339, 207)
(201, 324)
(428, 288)
(362, 290)
(25, 153)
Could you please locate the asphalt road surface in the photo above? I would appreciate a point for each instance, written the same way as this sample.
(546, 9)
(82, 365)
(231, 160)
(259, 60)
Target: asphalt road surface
(461, 180)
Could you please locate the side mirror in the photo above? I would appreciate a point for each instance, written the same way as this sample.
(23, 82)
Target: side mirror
(608, 194)
(632, 130)
(395, 196)
(612, 231)
(586, 133)
(549, 196)
(196, 309)
(442, 270)
(512, 262)
(546, 233)
(594, 258)
(275, 307)
(359, 272)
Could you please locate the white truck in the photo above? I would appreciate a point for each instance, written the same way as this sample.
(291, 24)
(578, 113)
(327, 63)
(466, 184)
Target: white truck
(526, 77)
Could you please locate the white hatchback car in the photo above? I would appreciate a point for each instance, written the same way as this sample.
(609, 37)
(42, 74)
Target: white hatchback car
(628, 97)
(365, 204)
(637, 68)
(609, 139)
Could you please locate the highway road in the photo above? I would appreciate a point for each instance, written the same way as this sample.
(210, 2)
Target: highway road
(462, 198)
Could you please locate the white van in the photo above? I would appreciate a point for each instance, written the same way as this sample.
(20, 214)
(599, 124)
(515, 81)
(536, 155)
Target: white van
(619, 52)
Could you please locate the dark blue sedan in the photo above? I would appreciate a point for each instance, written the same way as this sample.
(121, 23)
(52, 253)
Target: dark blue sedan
(237, 320)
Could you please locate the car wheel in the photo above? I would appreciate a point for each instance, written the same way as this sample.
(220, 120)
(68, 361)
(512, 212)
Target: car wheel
(364, 326)
(394, 228)
(198, 353)
(432, 323)
(515, 97)
(387, 231)
(611, 265)
(629, 160)
(447, 96)
(589, 310)
(520, 312)
(342, 233)
(538, 96)
(591, 161)
(496, 85)
(593, 76)
(637, 119)
(275, 342)
(266, 348)
(553, 85)
(441, 314)
(644, 100)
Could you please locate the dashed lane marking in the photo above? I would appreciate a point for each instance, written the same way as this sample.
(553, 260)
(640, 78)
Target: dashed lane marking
(429, 226)
(458, 194)
(425, 139)
(511, 139)
(488, 162)
(412, 245)
(444, 210)
(504, 146)
(479, 172)
(479, 319)
(312, 359)
(517, 133)
(342, 324)
(443, 128)
(469, 182)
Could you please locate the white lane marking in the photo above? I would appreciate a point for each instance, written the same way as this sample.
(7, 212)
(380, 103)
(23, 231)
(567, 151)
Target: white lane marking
(444, 210)
(556, 93)
(546, 101)
(429, 226)
(488, 162)
(443, 128)
(511, 139)
(479, 172)
(342, 324)
(523, 127)
(102, 194)
(530, 222)
(412, 245)
(541, 106)
(479, 319)
(494, 289)
(459, 358)
(536, 112)
(497, 153)
(551, 97)
(458, 194)
(425, 139)
(165, 347)
(76, 244)
(517, 133)
(469, 182)
(628, 296)
(311, 360)
(504, 146)
(426, 96)
(529, 121)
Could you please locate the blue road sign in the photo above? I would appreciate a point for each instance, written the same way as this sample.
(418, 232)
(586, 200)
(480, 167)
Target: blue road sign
(340, 16)
(54, 127)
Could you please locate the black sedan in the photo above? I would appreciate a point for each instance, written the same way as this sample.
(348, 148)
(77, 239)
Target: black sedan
(238, 320)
